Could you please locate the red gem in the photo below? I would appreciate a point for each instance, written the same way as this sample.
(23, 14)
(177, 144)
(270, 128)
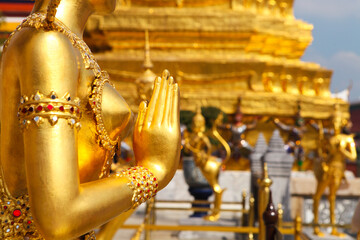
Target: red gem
(140, 191)
(78, 110)
(157, 185)
(72, 109)
(12, 223)
(61, 108)
(39, 108)
(144, 177)
(94, 102)
(134, 178)
(50, 107)
(5, 207)
(24, 110)
(17, 213)
(138, 184)
(147, 184)
(29, 222)
(149, 190)
(154, 178)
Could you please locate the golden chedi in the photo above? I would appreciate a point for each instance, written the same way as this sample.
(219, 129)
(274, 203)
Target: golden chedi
(220, 50)
(61, 119)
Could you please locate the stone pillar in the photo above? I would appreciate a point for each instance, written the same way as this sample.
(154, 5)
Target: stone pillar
(279, 164)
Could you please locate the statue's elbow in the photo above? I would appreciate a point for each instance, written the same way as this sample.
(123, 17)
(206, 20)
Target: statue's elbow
(53, 226)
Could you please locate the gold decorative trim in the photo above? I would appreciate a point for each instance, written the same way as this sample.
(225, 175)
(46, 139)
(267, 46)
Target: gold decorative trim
(142, 182)
(95, 103)
(37, 107)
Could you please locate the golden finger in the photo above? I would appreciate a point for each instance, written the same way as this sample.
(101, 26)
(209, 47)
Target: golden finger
(175, 118)
(168, 102)
(151, 107)
(141, 116)
(160, 103)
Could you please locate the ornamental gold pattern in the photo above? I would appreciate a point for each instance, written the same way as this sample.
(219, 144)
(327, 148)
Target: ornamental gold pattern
(142, 182)
(95, 103)
(15, 218)
(16, 221)
(37, 107)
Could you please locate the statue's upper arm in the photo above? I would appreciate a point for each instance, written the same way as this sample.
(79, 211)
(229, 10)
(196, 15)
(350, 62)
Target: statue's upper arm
(49, 63)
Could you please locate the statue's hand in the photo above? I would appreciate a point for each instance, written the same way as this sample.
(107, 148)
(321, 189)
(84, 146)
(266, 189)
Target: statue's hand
(157, 131)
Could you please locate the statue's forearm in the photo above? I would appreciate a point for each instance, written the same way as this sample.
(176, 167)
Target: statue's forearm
(54, 189)
(347, 148)
(281, 125)
(351, 155)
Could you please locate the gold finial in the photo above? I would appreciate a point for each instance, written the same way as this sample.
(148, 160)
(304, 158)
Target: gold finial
(280, 215)
(51, 12)
(251, 210)
(266, 174)
(147, 61)
(198, 121)
(198, 110)
(251, 236)
(298, 227)
(244, 194)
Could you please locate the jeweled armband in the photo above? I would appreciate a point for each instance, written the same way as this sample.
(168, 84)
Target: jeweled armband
(142, 182)
(38, 107)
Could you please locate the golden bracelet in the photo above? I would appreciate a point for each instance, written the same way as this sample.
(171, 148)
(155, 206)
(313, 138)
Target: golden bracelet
(142, 182)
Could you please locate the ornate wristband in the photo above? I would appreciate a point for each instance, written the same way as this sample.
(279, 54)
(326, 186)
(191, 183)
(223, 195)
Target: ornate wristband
(142, 182)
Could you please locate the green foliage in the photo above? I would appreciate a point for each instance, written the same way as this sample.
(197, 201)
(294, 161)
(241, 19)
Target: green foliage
(186, 118)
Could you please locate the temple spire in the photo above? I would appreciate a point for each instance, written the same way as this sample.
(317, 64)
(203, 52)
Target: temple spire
(147, 60)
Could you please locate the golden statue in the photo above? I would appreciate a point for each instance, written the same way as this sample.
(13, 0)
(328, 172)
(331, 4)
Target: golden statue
(61, 119)
(341, 147)
(198, 143)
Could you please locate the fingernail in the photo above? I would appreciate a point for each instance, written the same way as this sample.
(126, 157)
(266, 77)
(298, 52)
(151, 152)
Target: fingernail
(142, 105)
(171, 80)
(176, 86)
(166, 74)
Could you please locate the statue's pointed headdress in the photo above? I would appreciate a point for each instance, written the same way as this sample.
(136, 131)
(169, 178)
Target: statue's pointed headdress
(198, 118)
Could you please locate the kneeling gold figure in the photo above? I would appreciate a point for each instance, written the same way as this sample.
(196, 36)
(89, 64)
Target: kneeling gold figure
(210, 167)
(61, 119)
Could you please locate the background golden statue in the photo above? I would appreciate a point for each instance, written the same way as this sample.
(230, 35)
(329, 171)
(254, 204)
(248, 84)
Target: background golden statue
(341, 147)
(71, 118)
(198, 143)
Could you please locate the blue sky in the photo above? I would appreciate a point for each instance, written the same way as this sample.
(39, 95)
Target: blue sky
(336, 43)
